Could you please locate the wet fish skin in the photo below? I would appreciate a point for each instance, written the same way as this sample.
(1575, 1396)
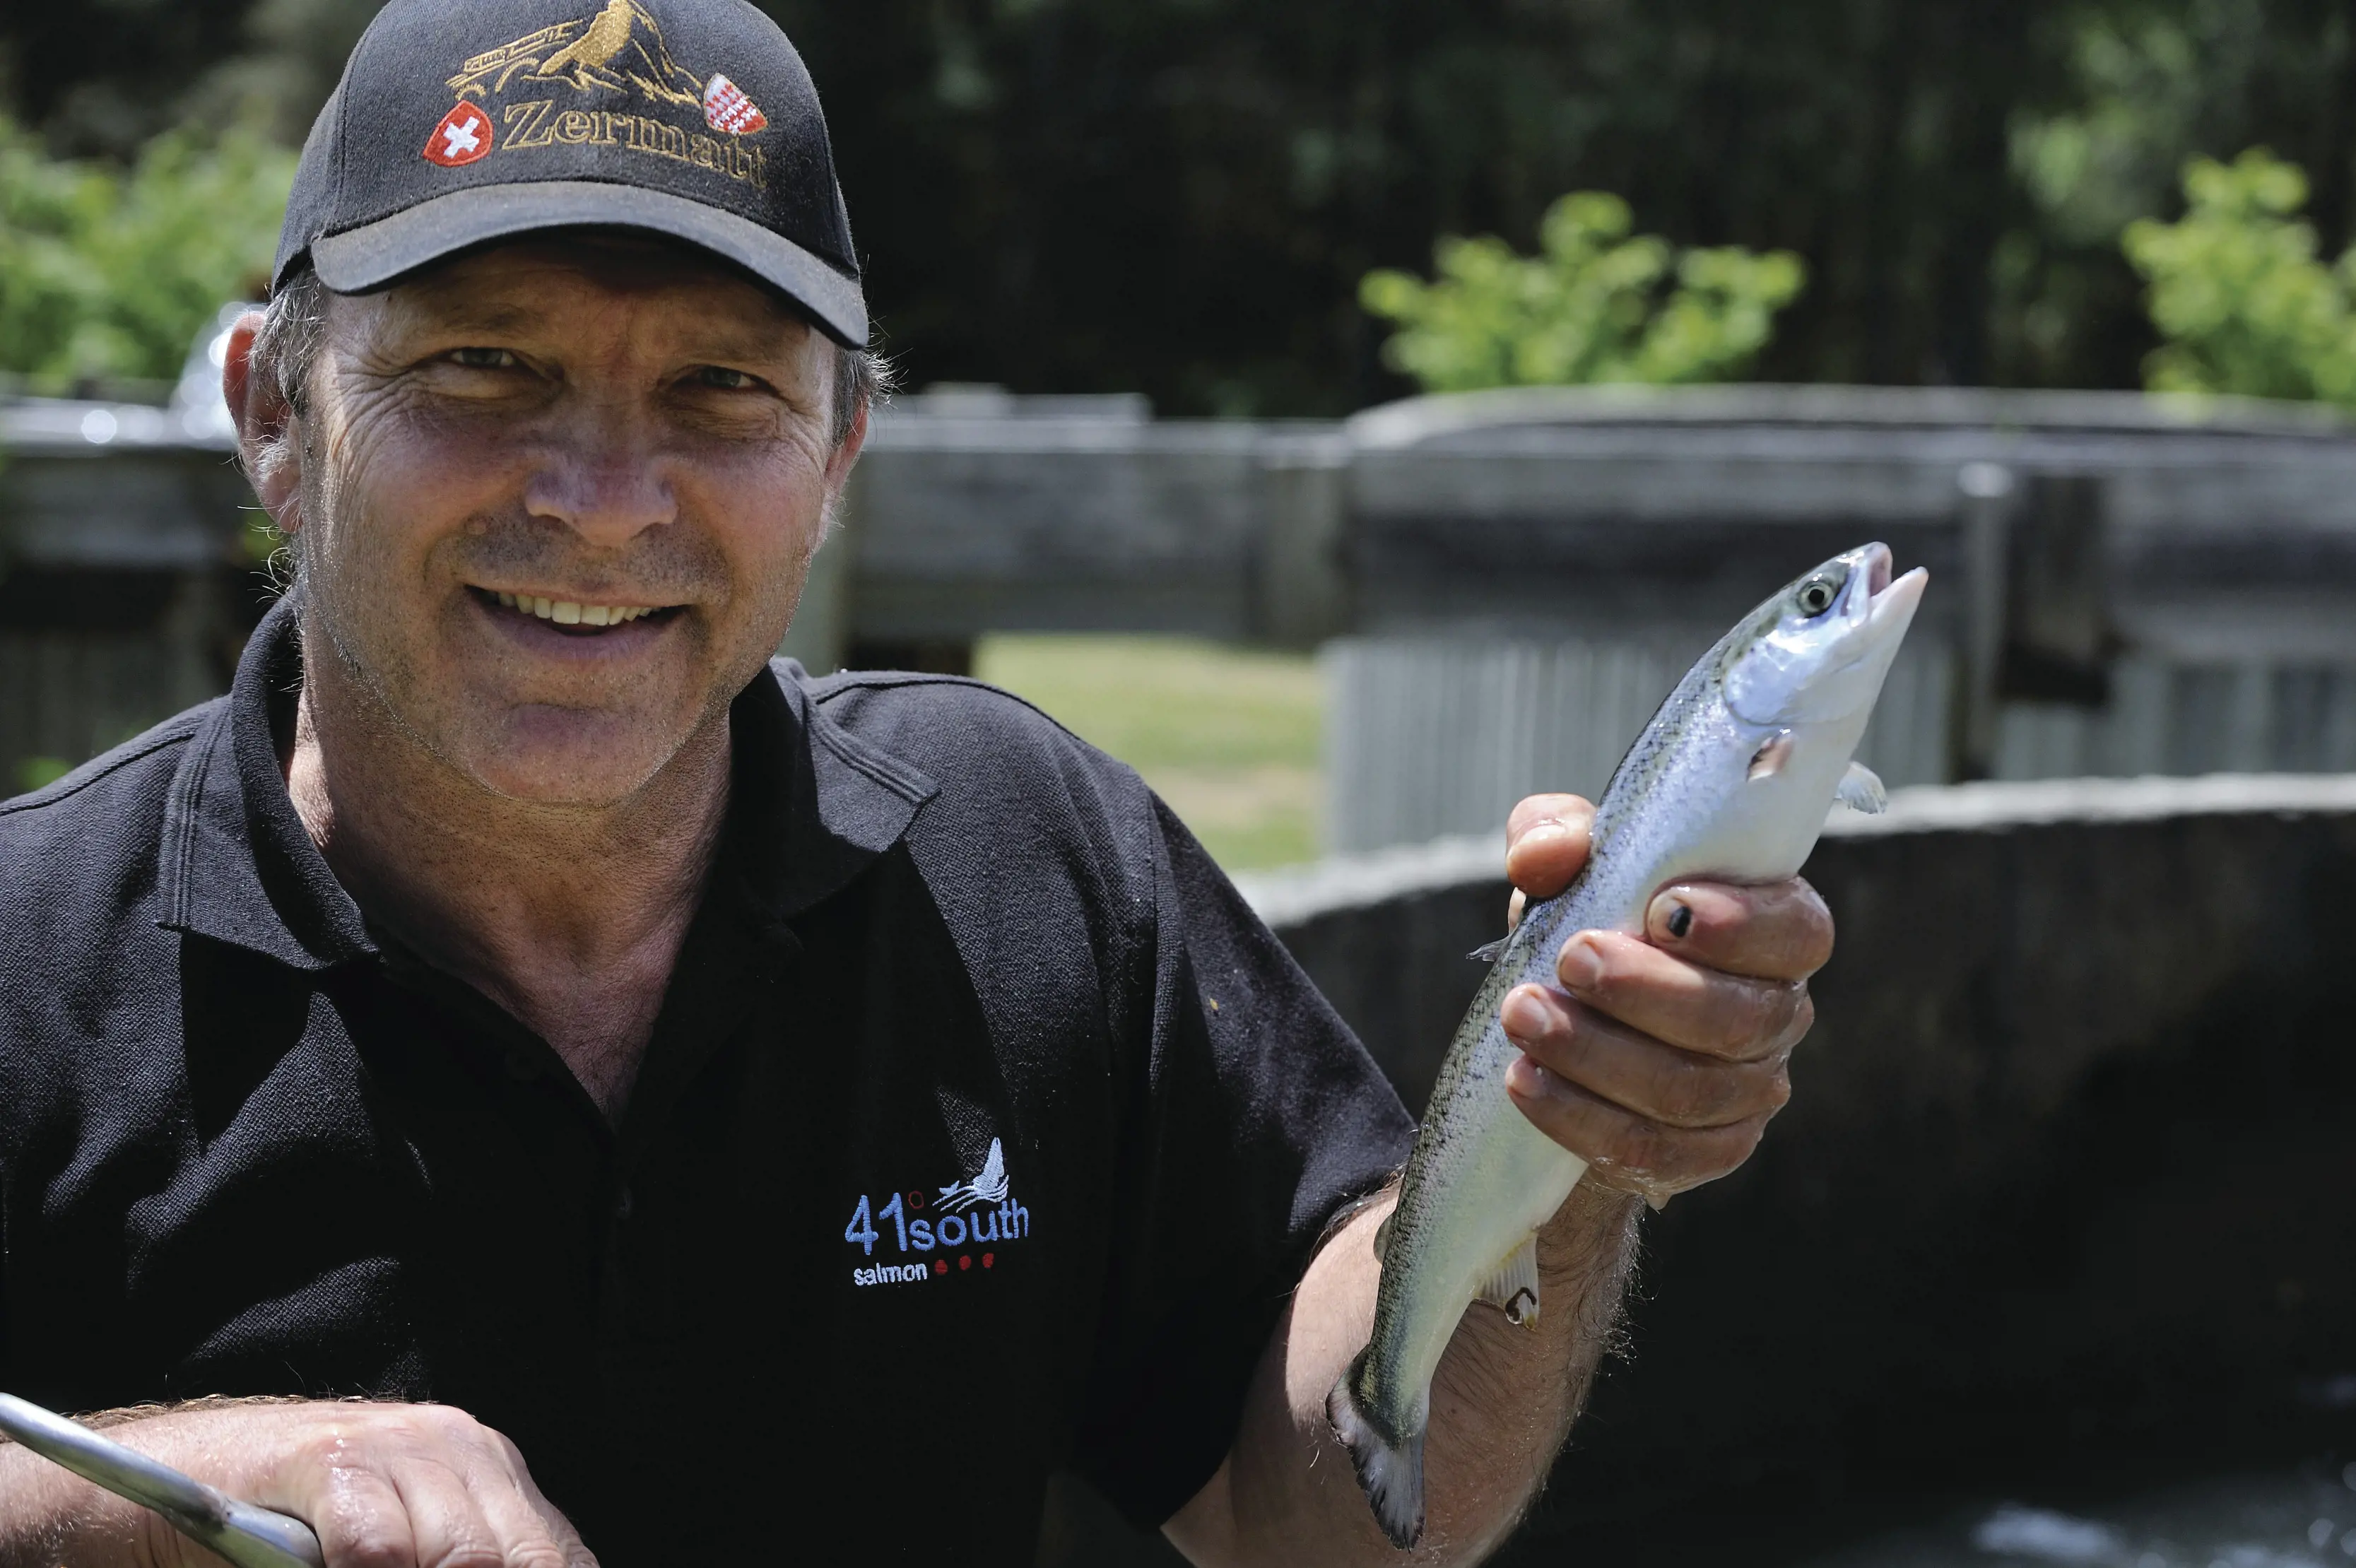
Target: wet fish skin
(1731, 780)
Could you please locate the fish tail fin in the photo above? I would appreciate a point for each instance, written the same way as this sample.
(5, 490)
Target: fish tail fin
(1391, 1473)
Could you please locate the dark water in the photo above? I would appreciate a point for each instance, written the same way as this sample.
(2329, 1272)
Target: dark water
(2302, 1518)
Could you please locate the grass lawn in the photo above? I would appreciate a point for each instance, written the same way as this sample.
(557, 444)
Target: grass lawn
(1228, 737)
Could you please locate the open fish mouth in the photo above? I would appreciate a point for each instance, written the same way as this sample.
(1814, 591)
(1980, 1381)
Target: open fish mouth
(1876, 595)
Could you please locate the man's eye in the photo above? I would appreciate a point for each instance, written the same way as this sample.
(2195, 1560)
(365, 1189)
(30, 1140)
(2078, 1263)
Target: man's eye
(723, 378)
(483, 358)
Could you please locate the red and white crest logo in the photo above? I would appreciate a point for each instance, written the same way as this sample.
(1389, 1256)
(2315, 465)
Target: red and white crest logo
(464, 135)
(726, 108)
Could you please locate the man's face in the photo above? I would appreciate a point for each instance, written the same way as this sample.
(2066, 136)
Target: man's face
(557, 503)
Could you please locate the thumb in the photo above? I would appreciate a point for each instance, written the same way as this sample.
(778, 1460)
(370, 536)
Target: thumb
(1547, 843)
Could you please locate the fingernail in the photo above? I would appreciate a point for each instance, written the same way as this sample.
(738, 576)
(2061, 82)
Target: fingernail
(1523, 1018)
(1581, 967)
(1670, 915)
(1524, 1077)
(1545, 830)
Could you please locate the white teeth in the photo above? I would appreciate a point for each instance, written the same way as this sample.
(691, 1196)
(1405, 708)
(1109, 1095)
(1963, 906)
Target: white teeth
(571, 613)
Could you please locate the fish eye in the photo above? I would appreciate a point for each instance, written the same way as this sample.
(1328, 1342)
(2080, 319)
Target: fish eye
(1816, 596)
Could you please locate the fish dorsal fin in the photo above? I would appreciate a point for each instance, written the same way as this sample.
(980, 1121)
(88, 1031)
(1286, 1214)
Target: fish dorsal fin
(1382, 1234)
(1514, 1284)
(1860, 790)
(1489, 952)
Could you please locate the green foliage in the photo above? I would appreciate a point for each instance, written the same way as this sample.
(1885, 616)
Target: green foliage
(1182, 196)
(2237, 290)
(39, 772)
(1597, 304)
(2145, 86)
(110, 273)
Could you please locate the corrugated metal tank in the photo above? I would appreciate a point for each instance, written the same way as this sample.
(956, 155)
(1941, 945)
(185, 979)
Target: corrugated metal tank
(2121, 585)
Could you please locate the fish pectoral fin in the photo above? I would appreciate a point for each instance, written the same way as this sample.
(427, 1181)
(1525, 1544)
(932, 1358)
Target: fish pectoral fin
(1514, 1284)
(1489, 952)
(1861, 790)
(1382, 1234)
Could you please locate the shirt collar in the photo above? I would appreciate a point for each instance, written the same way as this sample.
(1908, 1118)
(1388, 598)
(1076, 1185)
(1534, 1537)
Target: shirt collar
(810, 803)
(810, 806)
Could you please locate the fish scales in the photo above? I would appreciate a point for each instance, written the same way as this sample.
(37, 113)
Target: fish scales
(1469, 1093)
(1705, 789)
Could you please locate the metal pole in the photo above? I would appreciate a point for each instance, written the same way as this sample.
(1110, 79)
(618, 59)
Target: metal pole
(247, 1536)
(1986, 499)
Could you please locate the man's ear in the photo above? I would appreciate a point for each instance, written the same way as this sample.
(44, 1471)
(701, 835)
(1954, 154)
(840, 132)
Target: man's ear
(267, 442)
(838, 464)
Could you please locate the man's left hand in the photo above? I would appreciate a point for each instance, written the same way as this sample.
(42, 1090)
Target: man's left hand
(1659, 1058)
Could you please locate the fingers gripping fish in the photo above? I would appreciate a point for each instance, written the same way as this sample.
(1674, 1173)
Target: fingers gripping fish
(1731, 780)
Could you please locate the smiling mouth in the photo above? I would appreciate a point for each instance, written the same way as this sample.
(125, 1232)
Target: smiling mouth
(570, 615)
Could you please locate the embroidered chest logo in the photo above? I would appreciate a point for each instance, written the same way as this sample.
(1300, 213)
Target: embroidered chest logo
(607, 81)
(910, 1238)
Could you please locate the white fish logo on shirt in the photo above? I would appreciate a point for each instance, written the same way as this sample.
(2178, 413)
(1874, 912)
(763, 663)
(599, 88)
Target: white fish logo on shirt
(965, 1229)
(989, 1186)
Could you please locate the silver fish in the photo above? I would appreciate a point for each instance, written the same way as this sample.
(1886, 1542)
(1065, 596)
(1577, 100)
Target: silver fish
(1731, 781)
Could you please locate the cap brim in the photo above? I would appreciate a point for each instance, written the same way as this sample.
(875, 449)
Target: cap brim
(374, 254)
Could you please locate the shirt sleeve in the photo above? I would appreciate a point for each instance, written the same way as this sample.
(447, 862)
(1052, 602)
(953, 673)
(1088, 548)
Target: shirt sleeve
(1259, 1115)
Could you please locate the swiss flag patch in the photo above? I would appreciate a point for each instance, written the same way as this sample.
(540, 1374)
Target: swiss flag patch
(464, 135)
(726, 108)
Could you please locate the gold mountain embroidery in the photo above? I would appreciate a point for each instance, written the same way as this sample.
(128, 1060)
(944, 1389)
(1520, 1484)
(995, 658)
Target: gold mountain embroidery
(618, 48)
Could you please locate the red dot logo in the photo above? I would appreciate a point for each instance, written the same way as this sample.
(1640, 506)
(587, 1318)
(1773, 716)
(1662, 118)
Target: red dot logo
(987, 1259)
(965, 1263)
(940, 1265)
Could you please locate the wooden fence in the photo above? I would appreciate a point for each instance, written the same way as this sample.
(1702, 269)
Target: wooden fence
(1502, 583)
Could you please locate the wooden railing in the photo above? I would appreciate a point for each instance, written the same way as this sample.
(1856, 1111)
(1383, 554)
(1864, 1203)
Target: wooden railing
(1504, 581)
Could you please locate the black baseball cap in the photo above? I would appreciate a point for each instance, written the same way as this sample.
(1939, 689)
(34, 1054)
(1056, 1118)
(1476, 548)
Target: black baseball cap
(459, 121)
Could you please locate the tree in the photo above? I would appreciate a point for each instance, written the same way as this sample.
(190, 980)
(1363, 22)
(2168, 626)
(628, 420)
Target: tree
(1596, 305)
(2145, 86)
(108, 272)
(1180, 196)
(2238, 292)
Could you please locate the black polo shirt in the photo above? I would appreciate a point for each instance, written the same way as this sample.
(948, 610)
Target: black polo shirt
(983, 1131)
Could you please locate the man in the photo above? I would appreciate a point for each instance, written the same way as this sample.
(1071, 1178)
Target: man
(525, 1077)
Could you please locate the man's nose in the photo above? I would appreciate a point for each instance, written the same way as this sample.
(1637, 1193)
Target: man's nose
(603, 480)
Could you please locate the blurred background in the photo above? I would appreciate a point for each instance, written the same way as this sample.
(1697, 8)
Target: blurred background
(1356, 416)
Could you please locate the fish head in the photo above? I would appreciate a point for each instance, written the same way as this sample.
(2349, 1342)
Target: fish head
(1816, 652)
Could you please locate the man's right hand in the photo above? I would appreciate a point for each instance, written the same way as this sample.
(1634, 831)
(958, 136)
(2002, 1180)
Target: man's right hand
(384, 1485)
